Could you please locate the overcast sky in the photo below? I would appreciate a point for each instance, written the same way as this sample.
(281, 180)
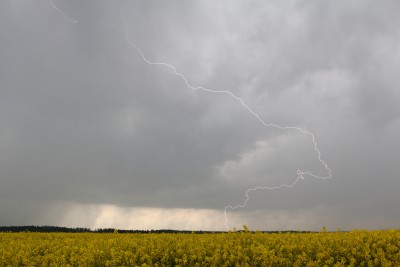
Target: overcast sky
(91, 135)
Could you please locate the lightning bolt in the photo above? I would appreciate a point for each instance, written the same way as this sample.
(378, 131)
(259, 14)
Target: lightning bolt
(62, 13)
(300, 173)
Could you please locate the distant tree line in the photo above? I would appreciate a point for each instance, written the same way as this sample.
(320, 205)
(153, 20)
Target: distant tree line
(43, 229)
(59, 229)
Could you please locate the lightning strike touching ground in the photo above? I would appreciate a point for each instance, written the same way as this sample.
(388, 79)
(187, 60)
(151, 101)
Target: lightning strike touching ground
(300, 173)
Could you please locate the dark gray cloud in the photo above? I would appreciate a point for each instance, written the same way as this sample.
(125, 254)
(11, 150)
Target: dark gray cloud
(85, 121)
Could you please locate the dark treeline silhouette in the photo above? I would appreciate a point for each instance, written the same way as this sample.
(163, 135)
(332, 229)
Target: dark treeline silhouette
(43, 229)
(59, 229)
(111, 230)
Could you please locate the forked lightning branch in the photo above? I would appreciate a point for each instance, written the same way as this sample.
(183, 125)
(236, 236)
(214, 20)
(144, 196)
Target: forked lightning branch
(300, 173)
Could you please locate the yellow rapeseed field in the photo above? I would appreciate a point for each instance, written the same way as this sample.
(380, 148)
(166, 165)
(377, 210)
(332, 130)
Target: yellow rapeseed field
(355, 248)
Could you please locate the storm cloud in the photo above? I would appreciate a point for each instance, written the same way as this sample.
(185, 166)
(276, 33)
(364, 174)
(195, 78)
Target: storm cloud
(91, 135)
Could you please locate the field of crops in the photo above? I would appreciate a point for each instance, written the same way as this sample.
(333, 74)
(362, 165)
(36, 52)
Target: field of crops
(355, 248)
